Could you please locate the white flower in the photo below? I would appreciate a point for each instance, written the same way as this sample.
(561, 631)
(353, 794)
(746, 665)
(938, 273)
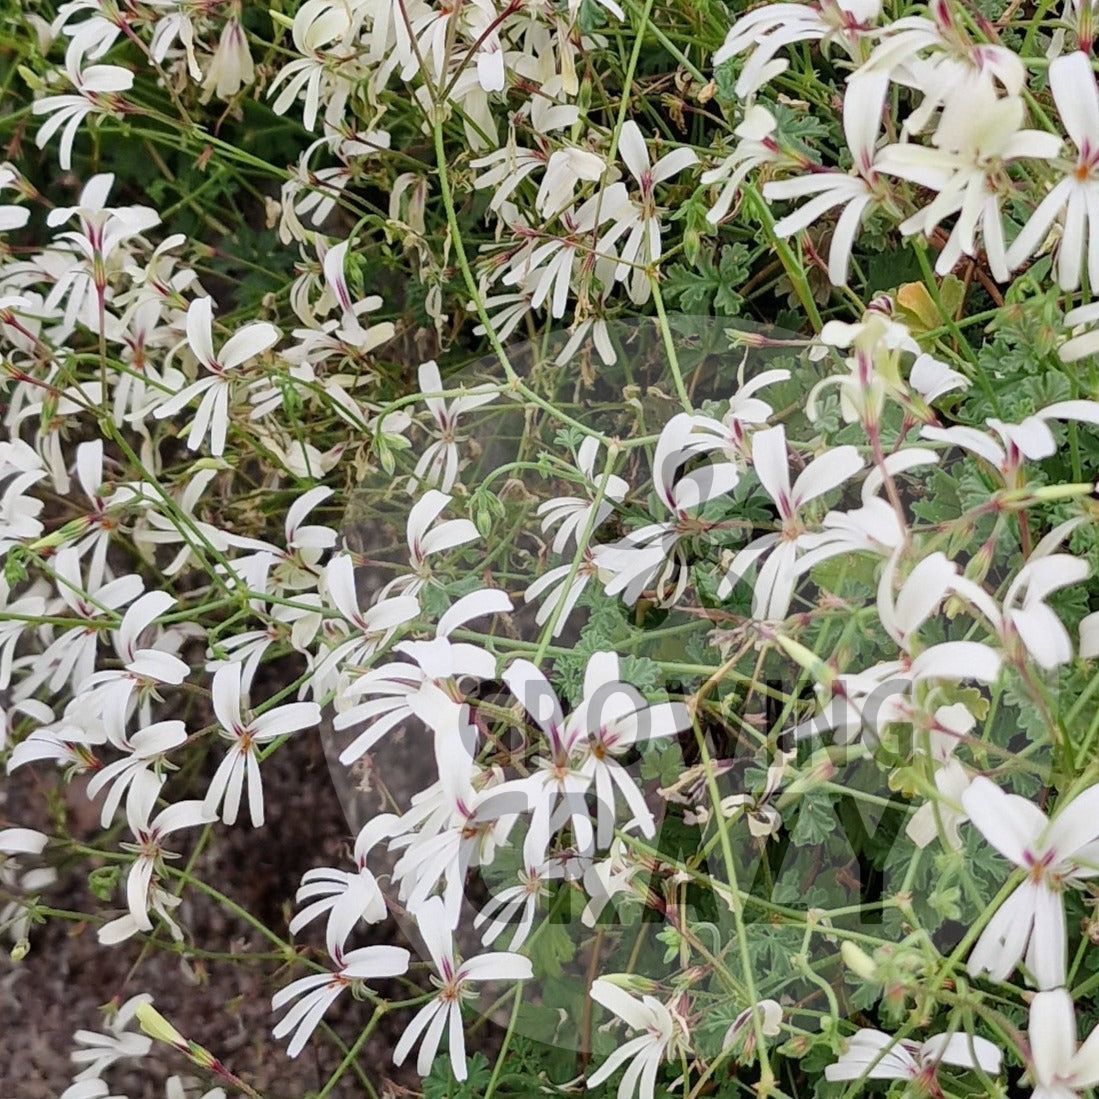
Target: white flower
(662, 1035)
(875, 527)
(96, 250)
(614, 719)
(445, 662)
(572, 514)
(764, 818)
(506, 168)
(746, 413)
(1055, 854)
(17, 884)
(556, 589)
(1076, 195)
(1085, 333)
(775, 582)
(231, 67)
(150, 834)
(22, 841)
(72, 654)
(639, 216)
(67, 741)
(944, 814)
(438, 464)
(143, 668)
(971, 148)
(19, 511)
(754, 148)
(319, 991)
(390, 691)
(11, 217)
(872, 1055)
(305, 542)
(1025, 617)
(453, 979)
(1032, 620)
(426, 537)
(89, 1089)
(854, 191)
(319, 32)
(174, 1089)
(118, 1044)
(610, 5)
(1030, 439)
(146, 750)
(605, 878)
(212, 416)
(97, 89)
(770, 1024)
(564, 170)
(1059, 1068)
(240, 767)
(345, 897)
(460, 820)
(767, 29)
(12, 714)
(103, 228)
(173, 25)
(16, 616)
(651, 556)
(521, 900)
(546, 269)
(351, 330)
(940, 59)
(373, 627)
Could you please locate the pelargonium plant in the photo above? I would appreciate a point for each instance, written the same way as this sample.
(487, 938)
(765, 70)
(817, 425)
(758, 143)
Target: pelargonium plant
(647, 450)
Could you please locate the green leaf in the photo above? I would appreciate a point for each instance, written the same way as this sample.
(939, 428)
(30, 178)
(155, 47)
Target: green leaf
(440, 1082)
(710, 287)
(550, 949)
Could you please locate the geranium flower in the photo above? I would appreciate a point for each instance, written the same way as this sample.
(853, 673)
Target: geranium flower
(1056, 854)
(766, 30)
(212, 417)
(638, 218)
(970, 148)
(1060, 1069)
(1076, 194)
(437, 466)
(346, 897)
(663, 1035)
(316, 993)
(872, 1055)
(97, 89)
(453, 978)
(240, 767)
(149, 836)
(774, 586)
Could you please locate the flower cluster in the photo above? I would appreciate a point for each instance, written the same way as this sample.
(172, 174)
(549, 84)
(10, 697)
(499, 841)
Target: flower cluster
(746, 671)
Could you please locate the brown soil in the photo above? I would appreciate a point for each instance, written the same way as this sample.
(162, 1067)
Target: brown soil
(62, 984)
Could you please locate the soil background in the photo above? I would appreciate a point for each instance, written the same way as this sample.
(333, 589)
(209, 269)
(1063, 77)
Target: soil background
(67, 977)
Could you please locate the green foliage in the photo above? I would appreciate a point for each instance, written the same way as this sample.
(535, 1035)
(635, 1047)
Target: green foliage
(710, 284)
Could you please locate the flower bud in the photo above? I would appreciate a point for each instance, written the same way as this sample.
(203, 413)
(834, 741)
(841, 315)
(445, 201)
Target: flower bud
(157, 1027)
(858, 961)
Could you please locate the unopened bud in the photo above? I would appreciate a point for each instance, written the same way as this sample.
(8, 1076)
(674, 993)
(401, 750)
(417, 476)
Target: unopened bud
(858, 961)
(631, 982)
(158, 1028)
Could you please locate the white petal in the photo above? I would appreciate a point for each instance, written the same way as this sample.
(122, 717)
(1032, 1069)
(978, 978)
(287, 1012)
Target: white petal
(1010, 823)
(1052, 1032)
(250, 341)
